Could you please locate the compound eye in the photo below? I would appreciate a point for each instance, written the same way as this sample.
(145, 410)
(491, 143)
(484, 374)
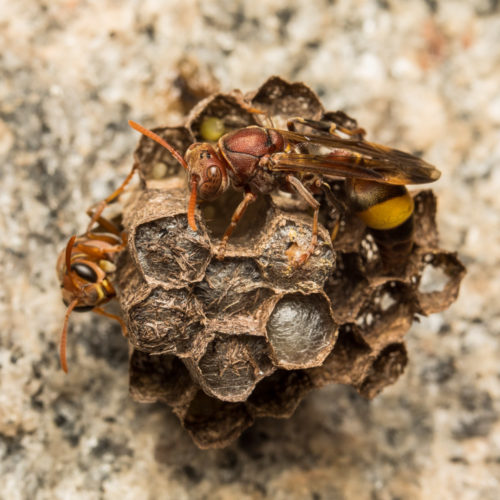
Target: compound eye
(210, 183)
(213, 173)
(85, 272)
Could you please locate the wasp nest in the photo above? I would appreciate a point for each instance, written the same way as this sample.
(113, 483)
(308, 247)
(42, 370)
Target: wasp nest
(225, 342)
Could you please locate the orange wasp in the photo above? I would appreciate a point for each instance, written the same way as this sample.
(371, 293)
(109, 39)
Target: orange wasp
(85, 266)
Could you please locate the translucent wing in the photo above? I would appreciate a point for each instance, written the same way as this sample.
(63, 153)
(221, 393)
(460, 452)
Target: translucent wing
(355, 159)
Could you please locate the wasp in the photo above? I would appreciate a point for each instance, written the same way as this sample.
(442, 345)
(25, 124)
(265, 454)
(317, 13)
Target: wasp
(85, 267)
(259, 160)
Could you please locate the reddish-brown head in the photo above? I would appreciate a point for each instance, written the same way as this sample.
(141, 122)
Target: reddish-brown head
(206, 170)
(207, 175)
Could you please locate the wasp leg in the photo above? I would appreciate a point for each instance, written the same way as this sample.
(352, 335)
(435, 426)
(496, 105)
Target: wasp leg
(309, 199)
(237, 214)
(240, 98)
(387, 211)
(99, 207)
(97, 253)
(102, 312)
(330, 127)
(268, 122)
(339, 207)
(248, 107)
(106, 224)
(343, 120)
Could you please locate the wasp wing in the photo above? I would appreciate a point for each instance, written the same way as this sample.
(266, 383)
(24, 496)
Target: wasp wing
(354, 159)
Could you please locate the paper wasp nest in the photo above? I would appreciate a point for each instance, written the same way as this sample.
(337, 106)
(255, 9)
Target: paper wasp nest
(225, 342)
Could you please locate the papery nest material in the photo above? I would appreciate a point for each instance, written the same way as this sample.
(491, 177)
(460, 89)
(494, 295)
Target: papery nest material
(225, 342)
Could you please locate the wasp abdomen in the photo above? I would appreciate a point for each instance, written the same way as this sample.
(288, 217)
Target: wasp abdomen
(379, 206)
(395, 244)
(387, 210)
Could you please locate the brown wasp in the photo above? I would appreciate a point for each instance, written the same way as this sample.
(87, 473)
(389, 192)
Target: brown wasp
(259, 160)
(84, 267)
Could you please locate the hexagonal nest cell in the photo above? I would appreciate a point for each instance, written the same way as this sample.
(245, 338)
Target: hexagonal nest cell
(226, 341)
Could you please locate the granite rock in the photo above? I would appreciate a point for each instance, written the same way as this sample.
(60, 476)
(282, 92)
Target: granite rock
(421, 75)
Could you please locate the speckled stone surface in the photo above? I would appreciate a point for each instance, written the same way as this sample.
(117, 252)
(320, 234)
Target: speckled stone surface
(420, 75)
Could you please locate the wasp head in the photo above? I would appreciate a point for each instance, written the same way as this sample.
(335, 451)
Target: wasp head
(83, 268)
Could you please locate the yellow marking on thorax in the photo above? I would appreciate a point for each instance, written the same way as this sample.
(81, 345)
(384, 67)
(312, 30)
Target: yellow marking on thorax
(357, 158)
(108, 287)
(388, 214)
(100, 293)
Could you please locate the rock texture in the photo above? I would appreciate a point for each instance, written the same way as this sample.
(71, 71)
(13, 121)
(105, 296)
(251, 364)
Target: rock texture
(422, 76)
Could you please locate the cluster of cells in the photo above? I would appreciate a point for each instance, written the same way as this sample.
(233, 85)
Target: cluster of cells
(224, 342)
